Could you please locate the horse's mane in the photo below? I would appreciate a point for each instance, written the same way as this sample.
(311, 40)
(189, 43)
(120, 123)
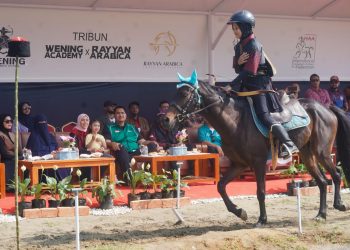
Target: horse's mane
(239, 102)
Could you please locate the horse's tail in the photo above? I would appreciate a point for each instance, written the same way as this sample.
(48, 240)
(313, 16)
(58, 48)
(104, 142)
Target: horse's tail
(343, 140)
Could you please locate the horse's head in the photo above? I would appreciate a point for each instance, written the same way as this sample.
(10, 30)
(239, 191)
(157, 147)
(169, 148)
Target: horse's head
(192, 97)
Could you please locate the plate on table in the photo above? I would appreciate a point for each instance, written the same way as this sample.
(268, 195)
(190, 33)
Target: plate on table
(85, 156)
(96, 155)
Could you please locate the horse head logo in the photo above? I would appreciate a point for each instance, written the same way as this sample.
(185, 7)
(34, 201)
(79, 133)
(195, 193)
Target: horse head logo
(164, 40)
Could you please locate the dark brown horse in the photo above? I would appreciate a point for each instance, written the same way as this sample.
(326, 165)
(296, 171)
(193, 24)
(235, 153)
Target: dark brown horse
(246, 147)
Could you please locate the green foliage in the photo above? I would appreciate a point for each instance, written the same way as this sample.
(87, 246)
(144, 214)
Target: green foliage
(291, 172)
(133, 177)
(51, 183)
(36, 191)
(106, 188)
(64, 188)
(174, 181)
(23, 187)
(157, 180)
(343, 177)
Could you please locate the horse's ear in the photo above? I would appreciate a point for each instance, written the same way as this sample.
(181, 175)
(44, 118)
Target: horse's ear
(181, 78)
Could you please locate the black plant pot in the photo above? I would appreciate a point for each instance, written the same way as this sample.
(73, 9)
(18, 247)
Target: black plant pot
(182, 193)
(166, 194)
(38, 203)
(157, 195)
(82, 202)
(329, 182)
(54, 203)
(290, 187)
(133, 197)
(23, 205)
(145, 196)
(304, 184)
(68, 202)
(107, 203)
(312, 183)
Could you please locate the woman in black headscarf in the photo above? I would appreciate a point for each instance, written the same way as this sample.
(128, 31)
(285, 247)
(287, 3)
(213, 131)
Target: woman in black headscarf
(25, 119)
(7, 146)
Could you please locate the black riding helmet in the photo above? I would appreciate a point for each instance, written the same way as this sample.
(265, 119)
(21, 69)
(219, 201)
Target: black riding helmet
(245, 20)
(243, 16)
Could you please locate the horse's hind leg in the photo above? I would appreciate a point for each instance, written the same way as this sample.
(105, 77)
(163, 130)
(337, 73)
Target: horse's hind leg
(311, 163)
(328, 164)
(260, 173)
(229, 176)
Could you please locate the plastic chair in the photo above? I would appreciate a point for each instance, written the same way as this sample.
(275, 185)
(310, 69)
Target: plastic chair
(68, 127)
(51, 128)
(2, 181)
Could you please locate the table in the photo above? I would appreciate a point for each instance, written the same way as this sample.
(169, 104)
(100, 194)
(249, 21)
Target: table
(153, 160)
(94, 163)
(2, 181)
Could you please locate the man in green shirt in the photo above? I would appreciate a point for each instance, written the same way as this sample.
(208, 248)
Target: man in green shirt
(209, 136)
(124, 140)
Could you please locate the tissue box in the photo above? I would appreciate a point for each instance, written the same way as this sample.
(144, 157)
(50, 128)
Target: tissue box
(181, 150)
(67, 155)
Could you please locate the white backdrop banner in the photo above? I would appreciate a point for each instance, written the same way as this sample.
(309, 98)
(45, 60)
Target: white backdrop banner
(97, 46)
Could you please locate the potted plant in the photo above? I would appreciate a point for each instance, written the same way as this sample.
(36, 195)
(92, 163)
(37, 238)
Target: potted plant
(51, 184)
(23, 191)
(83, 193)
(166, 186)
(63, 189)
(133, 177)
(304, 174)
(156, 181)
(37, 202)
(175, 184)
(146, 180)
(105, 193)
(291, 172)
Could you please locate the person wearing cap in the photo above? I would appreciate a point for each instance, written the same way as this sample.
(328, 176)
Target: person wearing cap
(108, 117)
(336, 96)
(254, 71)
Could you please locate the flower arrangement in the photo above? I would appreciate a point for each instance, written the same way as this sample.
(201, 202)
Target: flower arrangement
(181, 136)
(68, 141)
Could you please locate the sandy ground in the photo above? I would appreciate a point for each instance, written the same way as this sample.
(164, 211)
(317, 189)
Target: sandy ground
(207, 226)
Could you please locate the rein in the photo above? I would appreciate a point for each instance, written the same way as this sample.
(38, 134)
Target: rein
(183, 111)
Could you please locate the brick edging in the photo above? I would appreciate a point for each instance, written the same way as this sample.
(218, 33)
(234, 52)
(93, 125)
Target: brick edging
(54, 212)
(159, 203)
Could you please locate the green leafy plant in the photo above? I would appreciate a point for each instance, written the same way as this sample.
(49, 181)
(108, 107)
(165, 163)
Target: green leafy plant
(343, 177)
(291, 172)
(51, 184)
(167, 183)
(175, 180)
(36, 190)
(64, 188)
(104, 189)
(157, 180)
(82, 183)
(146, 177)
(23, 185)
(133, 177)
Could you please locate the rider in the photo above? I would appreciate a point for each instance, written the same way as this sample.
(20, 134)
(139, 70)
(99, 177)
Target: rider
(254, 73)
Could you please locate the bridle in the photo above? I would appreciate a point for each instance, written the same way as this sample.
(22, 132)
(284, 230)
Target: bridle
(195, 98)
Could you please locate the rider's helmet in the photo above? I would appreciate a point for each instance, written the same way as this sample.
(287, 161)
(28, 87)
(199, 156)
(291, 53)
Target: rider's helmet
(243, 16)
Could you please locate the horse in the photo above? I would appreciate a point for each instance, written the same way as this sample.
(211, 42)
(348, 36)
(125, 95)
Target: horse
(247, 148)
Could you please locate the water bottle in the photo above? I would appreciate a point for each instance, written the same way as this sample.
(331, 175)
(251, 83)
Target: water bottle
(144, 150)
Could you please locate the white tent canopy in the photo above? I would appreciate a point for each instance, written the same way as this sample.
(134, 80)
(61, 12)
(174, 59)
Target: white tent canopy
(316, 9)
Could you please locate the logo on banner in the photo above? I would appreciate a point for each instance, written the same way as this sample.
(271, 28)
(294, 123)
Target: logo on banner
(305, 52)
(163, 44)
(5, 34)
(164, 41)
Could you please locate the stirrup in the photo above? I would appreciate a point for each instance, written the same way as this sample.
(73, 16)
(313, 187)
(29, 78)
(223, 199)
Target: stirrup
(288, 152)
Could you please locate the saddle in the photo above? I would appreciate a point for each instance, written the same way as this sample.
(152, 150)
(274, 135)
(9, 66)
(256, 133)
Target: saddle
(291, 107)
(292, 117)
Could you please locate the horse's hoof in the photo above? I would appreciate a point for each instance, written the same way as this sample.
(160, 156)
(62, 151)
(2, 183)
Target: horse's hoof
(243, 214)
(261, 223)
(320, 218)
(341, 207)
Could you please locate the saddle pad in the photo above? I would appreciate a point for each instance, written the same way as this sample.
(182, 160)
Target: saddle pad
(297, 121)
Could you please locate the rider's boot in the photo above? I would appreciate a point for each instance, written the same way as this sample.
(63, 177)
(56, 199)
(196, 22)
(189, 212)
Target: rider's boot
(288, 147)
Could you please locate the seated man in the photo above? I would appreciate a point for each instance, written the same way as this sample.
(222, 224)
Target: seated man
(124, 140)
(209, 136)
(108, 116)
(138, 121)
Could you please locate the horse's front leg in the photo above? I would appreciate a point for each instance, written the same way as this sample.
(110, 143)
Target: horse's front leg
(229, 176)
(260, 174)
